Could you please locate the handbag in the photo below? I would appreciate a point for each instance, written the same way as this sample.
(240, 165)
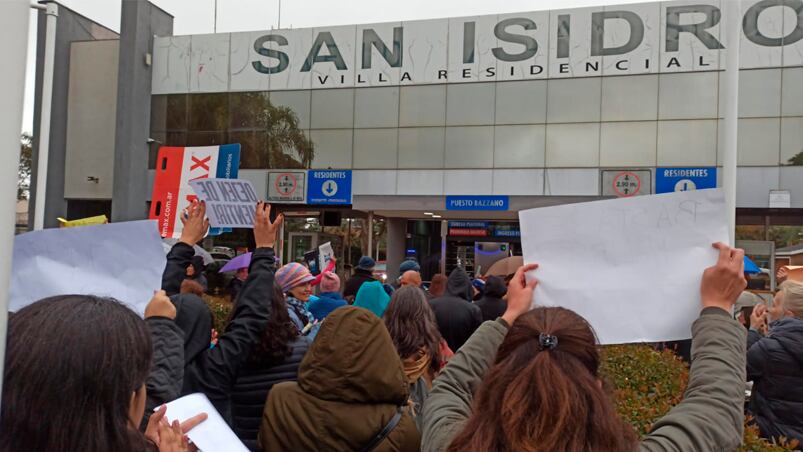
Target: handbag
(394, 421)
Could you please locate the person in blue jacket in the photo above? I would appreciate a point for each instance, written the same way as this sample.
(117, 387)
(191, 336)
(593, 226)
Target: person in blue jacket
(329, 299)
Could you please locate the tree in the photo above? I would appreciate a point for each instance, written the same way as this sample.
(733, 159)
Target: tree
(797, 160)
(24, 169)
(278, 140)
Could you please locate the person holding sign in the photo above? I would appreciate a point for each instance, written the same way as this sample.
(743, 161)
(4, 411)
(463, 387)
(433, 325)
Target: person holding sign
(213, 371)
(537, 374)
(75, 379)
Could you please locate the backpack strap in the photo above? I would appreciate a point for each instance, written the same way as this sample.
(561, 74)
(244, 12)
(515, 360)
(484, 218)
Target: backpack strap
(385, 431)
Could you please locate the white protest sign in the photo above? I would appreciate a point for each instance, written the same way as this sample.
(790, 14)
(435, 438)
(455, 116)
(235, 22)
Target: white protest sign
(326, 254)
(120, 260)
(632, 266)
(230, 203)
(213, 434)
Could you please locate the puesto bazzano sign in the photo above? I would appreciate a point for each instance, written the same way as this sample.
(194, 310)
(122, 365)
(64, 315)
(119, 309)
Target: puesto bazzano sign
(620, 40)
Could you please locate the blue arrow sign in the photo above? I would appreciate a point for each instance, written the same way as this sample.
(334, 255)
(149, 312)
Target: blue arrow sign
(329, 187)
(669, 180)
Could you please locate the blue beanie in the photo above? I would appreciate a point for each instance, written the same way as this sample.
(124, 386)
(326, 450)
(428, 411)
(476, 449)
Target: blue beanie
(408, 265)
(366, 263)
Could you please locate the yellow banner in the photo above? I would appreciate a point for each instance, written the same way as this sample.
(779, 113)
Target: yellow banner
(100, 219)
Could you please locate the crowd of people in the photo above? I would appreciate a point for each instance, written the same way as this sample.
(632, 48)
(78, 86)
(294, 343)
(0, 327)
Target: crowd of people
(461, 365)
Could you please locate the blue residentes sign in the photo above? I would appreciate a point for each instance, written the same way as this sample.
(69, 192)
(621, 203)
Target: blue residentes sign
(477, 202)
(669, 180)
(329, 187)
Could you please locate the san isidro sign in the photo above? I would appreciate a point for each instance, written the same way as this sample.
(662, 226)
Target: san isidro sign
(627, 39)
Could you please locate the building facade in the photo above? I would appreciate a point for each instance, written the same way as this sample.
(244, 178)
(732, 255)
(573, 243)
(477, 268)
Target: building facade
(538, 108)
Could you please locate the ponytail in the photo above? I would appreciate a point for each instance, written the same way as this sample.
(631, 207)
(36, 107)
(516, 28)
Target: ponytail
(543, 392)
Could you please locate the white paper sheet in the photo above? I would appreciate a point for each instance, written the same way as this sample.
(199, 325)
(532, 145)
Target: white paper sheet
(120, 260)
(211, 435)
(632, 266)
(230, 203)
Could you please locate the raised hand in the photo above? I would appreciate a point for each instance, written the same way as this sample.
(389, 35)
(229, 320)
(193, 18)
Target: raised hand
(758, 319)
(723, 282)
(265, 230)
(195, 223)
(519, 294)
(160, 306)
(781, 275)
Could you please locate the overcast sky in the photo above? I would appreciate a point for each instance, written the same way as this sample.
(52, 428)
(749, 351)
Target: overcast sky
(197, 16)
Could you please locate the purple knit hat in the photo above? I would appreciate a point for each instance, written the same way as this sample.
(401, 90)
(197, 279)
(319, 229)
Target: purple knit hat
(292, 275)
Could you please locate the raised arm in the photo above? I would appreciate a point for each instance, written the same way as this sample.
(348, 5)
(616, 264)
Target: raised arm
(251, 309)
(167, 371)
(180, 256)
(448, 406)
(711, 415)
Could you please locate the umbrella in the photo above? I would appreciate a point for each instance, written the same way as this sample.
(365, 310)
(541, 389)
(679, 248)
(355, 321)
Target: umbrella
(506, 266)
(169, 242)
(750, 266)
(241, 261)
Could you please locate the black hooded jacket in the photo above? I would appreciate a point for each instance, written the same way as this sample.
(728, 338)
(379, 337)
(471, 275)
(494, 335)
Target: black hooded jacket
(356, 281)
(214, 371)
(491, 304)
(457, 317)
(775, 365)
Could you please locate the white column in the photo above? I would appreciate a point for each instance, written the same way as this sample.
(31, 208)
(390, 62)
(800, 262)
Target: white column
(731, 111)
(52, 14)
(14, 18)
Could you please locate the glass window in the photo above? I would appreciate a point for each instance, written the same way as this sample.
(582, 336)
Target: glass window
(206, 138)
(178, 139)
(253, 148)
(249, 110)
(209, 112)
(169, 112)
(289, 147)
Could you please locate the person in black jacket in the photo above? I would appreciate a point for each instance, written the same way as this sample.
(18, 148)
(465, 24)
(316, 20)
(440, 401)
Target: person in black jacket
(167, 339)
(457, 317)
(775, 365)
(214, 371)
(273, 360)
(491, 304)
(363, 273)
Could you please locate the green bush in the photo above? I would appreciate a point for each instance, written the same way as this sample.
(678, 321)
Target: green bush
(648, 383)
(220, 307)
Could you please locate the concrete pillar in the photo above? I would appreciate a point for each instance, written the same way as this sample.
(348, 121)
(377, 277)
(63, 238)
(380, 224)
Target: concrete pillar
(140, 21)
(397, 241)
(71, 27)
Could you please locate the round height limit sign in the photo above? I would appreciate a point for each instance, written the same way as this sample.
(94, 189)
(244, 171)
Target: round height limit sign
(626, 184)
(287, 187)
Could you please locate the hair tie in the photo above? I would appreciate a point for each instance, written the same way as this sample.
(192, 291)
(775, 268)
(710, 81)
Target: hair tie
(547, 341)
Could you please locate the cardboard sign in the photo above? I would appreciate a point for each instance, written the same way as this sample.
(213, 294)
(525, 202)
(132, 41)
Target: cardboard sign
(230, 203)
(795, 273)
(175, 168)
(631, 266)
(326, 254)
(119, 260)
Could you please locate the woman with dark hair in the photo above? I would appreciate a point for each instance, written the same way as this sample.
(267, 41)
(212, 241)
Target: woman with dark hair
(414, 332)
(213, 371)
(75, 374)
(539, 388)
(273, 360)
